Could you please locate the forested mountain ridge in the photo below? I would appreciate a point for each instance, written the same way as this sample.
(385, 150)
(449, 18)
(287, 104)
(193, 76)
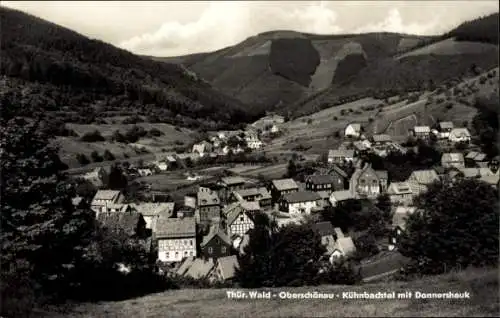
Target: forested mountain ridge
(68, 72)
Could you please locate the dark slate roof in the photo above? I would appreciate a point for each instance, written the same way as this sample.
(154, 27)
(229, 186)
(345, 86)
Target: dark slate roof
(125, 221)
(338, 170)
(321, 179)
(301, 196)
(323, 228)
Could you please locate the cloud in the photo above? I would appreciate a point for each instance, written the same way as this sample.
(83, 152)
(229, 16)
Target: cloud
(227, 23)
(394, 23)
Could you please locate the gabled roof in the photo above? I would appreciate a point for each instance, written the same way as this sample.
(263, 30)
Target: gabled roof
(345, 245)
(186, 264)
(323, 228)
(200, 268)
(285, 184)
(207, 198)
(452, 157)
(127, 222)
(301, 196)
(480, 157)
(232, 180)
(344, 153)
(215, 230)
(459, 133)
(338, 170)
(425, 176)
(355, 126)
(422, 129)
(381, 138)
(399, 188)
(227, 266)
(342, 195)
(264, 193)
(400, 215)
(175, 228)
(154, 209)
(446, 125)
(107, 195)
(321, 179)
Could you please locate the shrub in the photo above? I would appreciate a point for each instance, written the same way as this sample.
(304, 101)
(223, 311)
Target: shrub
(82, 159)
(482, 80)
(108, 156)
(370, 119)
(449, 105)
(96, 157)
(335, 118)
(133, 120)
(94, 136)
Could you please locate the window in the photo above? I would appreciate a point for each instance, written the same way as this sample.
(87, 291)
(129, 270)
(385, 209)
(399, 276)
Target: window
(191, 253)
(242, 218)
(185, 253)
(176, 254)
(223, 249)
(362, 181)
(191, 242)
(210, 250)
(374, 181)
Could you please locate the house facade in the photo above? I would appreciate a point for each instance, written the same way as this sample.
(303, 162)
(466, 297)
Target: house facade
(421, 132)
(299, 203)
(231, 184)
(339, 196)
(459, 135)
(419, 180)
(176, 239)
(400, 193)
(202, 148)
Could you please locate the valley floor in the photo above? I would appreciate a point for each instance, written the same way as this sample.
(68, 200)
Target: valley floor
(482, 284)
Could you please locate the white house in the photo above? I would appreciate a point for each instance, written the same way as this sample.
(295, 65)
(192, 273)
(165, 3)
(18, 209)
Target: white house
(104, 198)
(352, 130)
(340, 156)
(453, 160)
(299, 203)
(238, 221)
(459, 135)
(176, 239)
(342, 247)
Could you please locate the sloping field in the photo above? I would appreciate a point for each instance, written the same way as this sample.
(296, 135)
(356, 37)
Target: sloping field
(317, 130)
(482, 284)
(452, 47)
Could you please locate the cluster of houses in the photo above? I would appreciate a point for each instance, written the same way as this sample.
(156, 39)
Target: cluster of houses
(202, 237)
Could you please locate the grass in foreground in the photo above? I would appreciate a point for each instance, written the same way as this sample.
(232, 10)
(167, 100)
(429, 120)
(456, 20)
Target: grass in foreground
(481, 283)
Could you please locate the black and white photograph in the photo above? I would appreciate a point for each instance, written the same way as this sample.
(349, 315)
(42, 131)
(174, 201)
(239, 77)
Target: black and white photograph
(249, 159)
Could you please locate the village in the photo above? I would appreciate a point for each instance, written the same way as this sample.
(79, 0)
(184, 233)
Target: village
(202, 235)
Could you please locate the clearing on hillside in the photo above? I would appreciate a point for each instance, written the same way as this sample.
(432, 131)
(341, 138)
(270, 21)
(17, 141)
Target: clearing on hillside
(452, 47)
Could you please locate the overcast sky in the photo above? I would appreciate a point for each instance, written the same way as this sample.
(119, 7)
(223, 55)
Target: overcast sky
(175, 28)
